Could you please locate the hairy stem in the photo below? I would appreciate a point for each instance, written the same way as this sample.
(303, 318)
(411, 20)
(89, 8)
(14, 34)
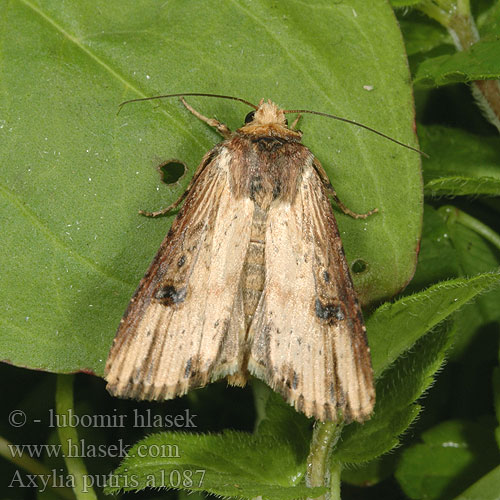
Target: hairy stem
(325, 437)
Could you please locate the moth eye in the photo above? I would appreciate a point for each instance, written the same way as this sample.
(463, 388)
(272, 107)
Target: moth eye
(249, 117)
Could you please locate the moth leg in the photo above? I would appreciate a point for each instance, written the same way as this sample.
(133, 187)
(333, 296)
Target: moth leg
(294, 124)
(346, 210)
(220, 127)
(329, 189)
(165, 210)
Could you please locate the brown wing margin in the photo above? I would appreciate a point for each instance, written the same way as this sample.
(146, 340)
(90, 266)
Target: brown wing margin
(182, 327)
(309, 339)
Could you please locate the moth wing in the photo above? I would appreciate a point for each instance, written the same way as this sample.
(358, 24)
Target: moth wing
(182, 327)
(309, 338)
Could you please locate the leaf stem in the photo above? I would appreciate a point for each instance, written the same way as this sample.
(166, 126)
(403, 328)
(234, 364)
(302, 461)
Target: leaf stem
(68, 435)
(325, 437)
(456, 17)
(33, 467)
(453, 214)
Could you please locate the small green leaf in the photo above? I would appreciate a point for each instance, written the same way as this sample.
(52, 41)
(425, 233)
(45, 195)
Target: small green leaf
(480, 62)
(397, 390)
(232, 464)
(422, 35)
(395, 327)
(460, 163)
(392, 330)
(486, 488)
(474, 254)
(452, 456)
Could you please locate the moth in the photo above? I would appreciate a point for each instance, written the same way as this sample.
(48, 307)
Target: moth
(251, 279)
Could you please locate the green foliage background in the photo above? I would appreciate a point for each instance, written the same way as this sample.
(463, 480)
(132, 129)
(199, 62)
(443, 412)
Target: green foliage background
(74, 174)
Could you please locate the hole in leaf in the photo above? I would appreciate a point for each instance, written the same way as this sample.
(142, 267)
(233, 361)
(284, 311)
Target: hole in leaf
(359, 266)
(172, 170)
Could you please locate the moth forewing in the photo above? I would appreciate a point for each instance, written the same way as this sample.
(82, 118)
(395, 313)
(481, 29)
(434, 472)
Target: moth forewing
(308, 328)
(252, 277)
(182, 327)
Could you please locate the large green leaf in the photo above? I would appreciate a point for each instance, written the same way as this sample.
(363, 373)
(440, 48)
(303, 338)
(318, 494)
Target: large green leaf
(74, 173)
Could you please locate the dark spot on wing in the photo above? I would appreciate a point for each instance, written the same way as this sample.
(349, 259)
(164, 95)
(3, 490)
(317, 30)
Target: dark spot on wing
(295, 382)
(326, 276)
(181, 261)
(170, 295)
(329, 312)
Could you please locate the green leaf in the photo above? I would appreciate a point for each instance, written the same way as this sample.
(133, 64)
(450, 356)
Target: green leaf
(486, 488)
(437, 259)
(452, 456)
(474, 254)
(370, 473)
(496, 400)
(421, 34)
(281, 421)
(404, 3)
(392, 330)
(74, 173)
(232, 464)
(395, 327)
(271, 462)
(460, 163)
(397, 389)
(480, 62)
(190, 495)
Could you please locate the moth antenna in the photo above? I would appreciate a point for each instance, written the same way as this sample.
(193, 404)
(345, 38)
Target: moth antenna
(352, 122)
(184, 95)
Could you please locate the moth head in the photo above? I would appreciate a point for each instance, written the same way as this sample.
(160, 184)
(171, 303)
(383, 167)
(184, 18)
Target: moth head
(267, 119)
(268, 113)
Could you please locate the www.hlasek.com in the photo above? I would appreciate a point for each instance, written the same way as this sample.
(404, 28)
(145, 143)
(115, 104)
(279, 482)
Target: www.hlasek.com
(175, 478)
(82, 449)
